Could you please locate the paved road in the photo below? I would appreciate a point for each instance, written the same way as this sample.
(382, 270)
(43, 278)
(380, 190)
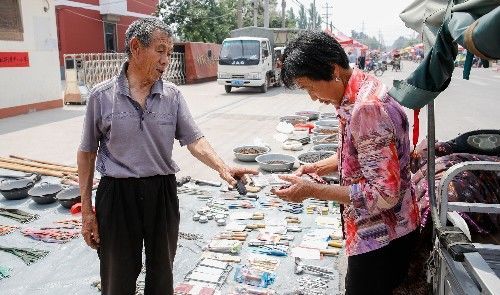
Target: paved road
(237, 118)
(228, 120)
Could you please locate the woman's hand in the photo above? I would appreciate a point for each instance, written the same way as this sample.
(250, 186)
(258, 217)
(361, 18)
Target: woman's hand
(321, 168)
(304, 169)
(298, 191)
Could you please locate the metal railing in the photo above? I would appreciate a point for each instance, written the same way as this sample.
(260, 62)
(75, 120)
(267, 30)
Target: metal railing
(93, 68)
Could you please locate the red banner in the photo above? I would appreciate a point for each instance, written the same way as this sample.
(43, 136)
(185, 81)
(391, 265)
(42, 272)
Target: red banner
(14, 59)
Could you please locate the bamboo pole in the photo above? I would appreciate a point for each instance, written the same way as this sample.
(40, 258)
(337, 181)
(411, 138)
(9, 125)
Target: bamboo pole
(39, 165)
(30, 169)
(72, 177)
(39, 161)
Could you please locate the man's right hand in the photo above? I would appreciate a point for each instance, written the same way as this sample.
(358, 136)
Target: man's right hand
(304, 169)
(90, 230)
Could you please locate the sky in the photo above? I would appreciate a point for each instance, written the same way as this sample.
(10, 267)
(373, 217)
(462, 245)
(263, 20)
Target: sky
(349, 15)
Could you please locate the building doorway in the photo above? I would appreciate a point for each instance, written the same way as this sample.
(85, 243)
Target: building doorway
(110, 37)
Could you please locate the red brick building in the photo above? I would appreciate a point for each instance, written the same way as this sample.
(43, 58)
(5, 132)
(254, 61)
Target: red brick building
(96, 26)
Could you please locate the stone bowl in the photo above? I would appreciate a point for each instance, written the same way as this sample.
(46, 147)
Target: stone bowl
(325, 147)
(275, 162)
(248, 153)
(313, 157)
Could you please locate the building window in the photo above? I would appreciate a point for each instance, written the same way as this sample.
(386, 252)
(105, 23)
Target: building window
(110, 37)
(11, 25)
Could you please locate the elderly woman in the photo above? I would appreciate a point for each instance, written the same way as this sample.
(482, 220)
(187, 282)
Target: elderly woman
(380, 215)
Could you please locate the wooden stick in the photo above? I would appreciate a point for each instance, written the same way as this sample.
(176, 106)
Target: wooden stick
(41, 162)
(73, 177)
(30, 169)
(39, 165)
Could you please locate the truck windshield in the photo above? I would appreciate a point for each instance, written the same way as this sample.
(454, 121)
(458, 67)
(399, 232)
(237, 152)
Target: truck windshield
(240, 52)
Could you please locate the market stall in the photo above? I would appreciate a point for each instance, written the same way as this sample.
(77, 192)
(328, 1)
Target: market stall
(232, 241)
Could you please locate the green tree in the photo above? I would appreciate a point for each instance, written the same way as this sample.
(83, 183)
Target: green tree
(277, 22)
(313, 17)
(302, 20)
(202, 20)
(372, 42)
(291, 19)
(403, 42)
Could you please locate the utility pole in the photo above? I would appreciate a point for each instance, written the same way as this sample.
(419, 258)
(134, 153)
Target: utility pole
(380, 39)
(266, 13)
(283, 10)
(327, 13)
(255, 6)
(363, 27)
(240, 13)
(314, 15)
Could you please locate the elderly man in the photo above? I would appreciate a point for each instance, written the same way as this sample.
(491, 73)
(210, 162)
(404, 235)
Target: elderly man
(130, 127)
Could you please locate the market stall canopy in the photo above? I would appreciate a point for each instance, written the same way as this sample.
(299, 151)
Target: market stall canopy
(474, 24)
(360, 45)
(419, 45)
(339, 36)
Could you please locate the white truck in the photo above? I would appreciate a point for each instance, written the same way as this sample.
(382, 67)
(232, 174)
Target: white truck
(249, 58)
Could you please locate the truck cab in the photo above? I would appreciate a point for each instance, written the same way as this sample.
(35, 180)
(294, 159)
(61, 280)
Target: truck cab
(245, 62)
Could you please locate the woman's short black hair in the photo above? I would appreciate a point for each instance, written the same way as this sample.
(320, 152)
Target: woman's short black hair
(311, 55)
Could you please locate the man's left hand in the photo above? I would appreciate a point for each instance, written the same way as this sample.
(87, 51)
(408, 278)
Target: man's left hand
(230, 174)
(298, 191)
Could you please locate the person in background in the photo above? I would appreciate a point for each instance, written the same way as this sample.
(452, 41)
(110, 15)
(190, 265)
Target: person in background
(129, 130)
(362, 60)
(380, 213)
(352, 59)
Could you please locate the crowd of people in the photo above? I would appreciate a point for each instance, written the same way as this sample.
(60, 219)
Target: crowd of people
(367, 60)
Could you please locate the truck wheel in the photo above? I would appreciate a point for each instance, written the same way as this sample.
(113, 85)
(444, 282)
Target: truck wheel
(263, 88)
(227, 88)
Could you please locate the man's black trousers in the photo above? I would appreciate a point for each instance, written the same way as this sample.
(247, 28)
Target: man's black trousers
(132, 212)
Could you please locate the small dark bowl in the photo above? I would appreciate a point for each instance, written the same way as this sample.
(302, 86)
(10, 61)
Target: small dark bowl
(68, 197)
(45, 193)
(16, 189)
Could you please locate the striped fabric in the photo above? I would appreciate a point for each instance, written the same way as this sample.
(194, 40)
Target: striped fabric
(374, 163)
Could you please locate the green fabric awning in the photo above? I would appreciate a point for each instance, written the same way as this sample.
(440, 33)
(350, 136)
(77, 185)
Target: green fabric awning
(475, 25)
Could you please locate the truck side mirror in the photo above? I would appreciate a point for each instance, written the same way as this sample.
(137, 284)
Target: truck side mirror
(266, 53)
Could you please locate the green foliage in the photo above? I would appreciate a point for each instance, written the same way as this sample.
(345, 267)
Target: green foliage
(314, 18)
(372, 42)
(200, 20)
(212, 20)
(403, 42)
(291, 18)
(276, 21)
(302, 20)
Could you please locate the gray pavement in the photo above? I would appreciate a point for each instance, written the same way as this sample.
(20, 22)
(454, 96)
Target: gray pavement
(227, 120)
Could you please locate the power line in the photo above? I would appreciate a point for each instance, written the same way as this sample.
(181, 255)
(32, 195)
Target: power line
(92, 18)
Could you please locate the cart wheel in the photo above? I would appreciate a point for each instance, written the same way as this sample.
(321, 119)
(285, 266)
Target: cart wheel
(227, 88)
(378, 72)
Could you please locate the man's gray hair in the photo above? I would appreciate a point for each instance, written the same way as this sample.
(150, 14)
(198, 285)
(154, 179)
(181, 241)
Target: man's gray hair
(143, 29)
